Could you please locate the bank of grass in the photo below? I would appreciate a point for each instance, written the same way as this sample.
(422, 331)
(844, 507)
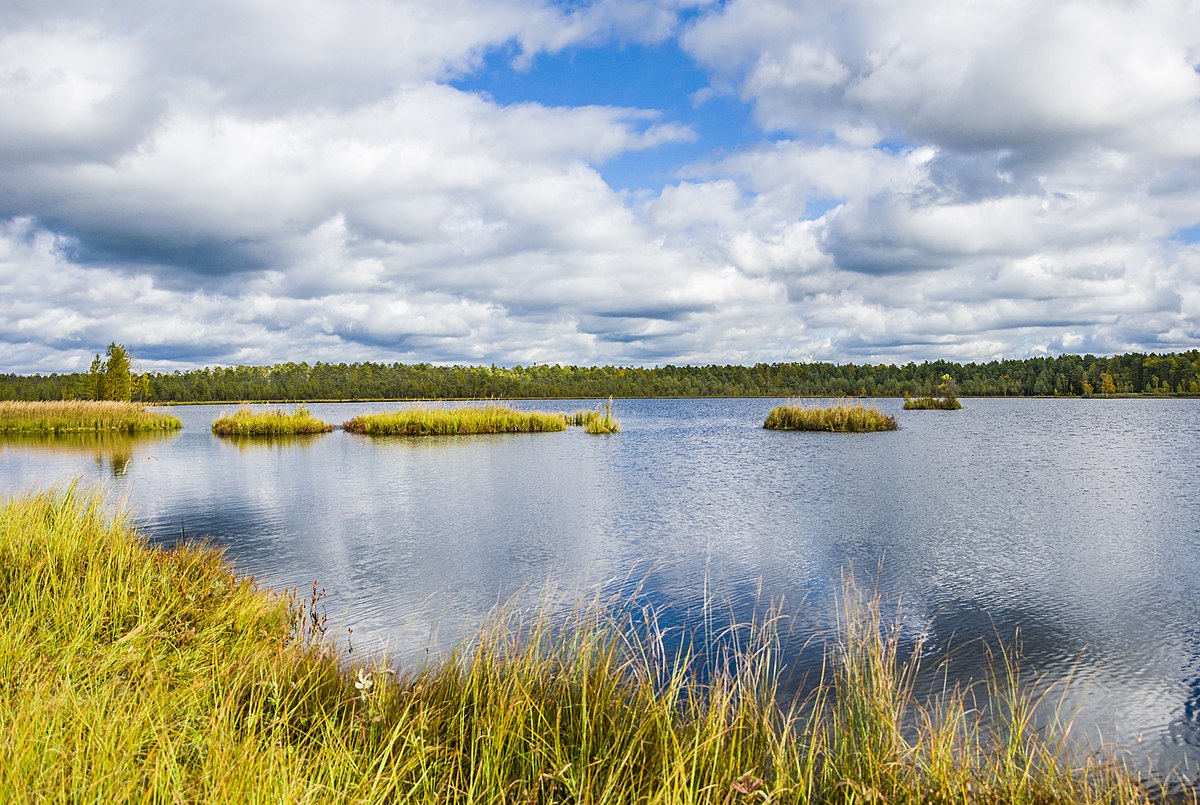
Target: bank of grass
(82, 416)
(276, 422)
(597, 421)
(840, 418)
(138, 674)
(455, 422)
(931, 404)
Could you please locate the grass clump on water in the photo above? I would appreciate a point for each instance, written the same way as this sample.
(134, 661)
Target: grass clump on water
(840, 418)
(248, 422)
(157, 675)
(596, 422)
(82, 416)
(455, 422)
(931, 404)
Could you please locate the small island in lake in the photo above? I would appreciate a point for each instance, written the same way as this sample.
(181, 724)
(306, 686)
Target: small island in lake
(840, 418)
(247, 422)
(946, 399)
(82, 416)
(455, 422)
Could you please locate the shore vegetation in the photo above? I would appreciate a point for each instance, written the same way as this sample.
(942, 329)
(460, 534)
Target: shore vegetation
(249, 422)
(82, 416)
(455, 422)
(596, 421)
(134, 673)
(843, 417)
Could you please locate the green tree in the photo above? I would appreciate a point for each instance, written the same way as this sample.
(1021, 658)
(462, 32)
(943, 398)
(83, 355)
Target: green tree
(118, 380)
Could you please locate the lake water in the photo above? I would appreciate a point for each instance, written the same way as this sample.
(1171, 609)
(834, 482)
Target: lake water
(1071, 525)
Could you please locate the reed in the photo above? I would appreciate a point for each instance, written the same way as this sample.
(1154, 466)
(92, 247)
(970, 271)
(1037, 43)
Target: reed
(455, 422)
(596, 422)
(82, 416)
(840, 418)
(248, 422)
(931, 404)
(133, 673)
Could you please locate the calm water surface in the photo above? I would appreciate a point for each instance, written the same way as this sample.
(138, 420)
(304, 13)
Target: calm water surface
(1072, 526)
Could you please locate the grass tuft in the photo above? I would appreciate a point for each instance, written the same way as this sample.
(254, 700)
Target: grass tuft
(248, 422)
(82, 416)
(455, 422)
(931, 404)
(840, 418)
(134, 673)
(596, 422)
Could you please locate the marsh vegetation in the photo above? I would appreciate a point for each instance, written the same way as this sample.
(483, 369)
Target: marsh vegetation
(843, 417)
(82, 416)
(945, 398)
(455, 422)
(597, 421)
(249, 422)
(240, 698)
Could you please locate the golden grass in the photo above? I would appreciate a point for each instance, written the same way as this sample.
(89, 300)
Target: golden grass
(80, 416)
(137, 674)
(841, 418)
(931, 404)
(455, 422)
(248, 422)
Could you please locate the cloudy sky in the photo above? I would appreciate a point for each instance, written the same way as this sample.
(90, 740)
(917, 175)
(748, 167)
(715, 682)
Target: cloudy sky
(606, 182)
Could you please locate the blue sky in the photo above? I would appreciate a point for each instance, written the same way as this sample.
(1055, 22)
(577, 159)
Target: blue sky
(604, 182)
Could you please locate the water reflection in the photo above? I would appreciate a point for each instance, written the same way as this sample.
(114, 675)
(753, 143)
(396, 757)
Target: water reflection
(112, 454)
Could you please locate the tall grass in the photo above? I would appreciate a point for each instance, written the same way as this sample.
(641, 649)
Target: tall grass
(455, 422)
(132, 673)
(80, 416)
(931, 404)
(840, 418)
(248, 422)
(596, 422)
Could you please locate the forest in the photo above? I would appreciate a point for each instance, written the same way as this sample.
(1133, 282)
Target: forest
(1174, 374)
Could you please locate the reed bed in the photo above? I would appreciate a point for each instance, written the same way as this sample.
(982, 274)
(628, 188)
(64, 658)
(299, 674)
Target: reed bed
(596, 422)
(840, 418)
(455, 422)
(82, 416)
(931, 404)
(132, 673)
(248, 422)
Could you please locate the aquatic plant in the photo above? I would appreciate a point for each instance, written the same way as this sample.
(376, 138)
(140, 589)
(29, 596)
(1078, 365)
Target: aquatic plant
(82, 416)
(455, 422)
(946, 398)
(840, 418)
(597, 422)
(248, 422)
(135, 673)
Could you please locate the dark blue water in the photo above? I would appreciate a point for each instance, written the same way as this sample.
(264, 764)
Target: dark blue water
(1071, 526)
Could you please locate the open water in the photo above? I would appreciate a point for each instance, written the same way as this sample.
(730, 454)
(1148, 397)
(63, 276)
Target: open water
(1069, 528)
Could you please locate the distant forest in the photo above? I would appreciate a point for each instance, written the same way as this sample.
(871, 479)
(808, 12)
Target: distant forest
(1067, 375)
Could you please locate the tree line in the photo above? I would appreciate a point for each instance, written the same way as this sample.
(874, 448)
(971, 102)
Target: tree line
(1065, 375)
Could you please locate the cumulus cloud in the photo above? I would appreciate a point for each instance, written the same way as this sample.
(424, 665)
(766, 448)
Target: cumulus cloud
(254, 182)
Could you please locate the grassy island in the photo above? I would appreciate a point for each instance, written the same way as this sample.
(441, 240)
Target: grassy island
(82, 416)
(455, 422)
(248, 422)
(931, 404)
(132, 673)
(596, 422)
(840, 418)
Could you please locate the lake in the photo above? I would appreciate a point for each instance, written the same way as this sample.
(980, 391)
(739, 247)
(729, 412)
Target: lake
(1069, 527)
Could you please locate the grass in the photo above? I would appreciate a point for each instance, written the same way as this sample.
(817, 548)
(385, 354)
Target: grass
(840, 418)
(596, 422)
(931, 403)
(132, 673)
(248, 422)
(455, 422)
(81, 416)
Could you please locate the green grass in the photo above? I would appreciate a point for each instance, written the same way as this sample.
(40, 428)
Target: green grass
(248, 422)
(931, 403)
(840, 418)
(455, 422)
(137, 674)
(81, 416)
(596, 422)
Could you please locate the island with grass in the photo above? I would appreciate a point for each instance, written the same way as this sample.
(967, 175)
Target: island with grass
(82, 416)
(840, 418)
(469, 420)
(249, 422)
